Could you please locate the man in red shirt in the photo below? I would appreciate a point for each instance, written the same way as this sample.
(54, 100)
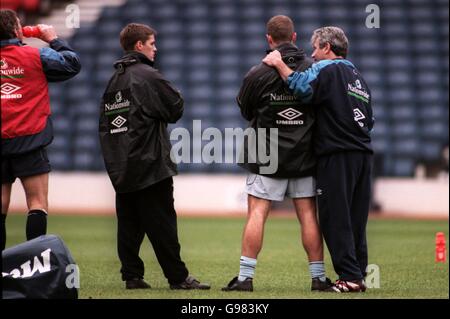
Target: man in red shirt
(25, 114)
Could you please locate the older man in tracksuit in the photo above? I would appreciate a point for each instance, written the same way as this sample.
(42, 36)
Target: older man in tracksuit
(342, 101)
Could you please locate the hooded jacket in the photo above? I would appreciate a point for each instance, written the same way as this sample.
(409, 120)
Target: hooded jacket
(266, 101)
(135, 109)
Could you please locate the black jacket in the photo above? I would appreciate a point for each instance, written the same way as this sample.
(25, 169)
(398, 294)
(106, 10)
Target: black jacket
(136, 107)
(266, 101)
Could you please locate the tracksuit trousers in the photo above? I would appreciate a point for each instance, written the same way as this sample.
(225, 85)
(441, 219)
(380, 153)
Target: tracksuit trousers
(150, 212)
(343, 195)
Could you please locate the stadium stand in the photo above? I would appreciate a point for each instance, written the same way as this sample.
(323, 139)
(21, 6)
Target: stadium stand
(206, 47)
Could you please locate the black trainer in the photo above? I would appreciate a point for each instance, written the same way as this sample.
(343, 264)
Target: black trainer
(136, 283)
(318, 285)
(191, 283)
(236, 285)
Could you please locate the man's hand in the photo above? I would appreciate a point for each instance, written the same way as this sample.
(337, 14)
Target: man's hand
(48, 33)
(273, 58)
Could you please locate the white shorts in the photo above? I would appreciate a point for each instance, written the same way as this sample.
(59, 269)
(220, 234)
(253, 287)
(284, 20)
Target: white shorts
(277, 188)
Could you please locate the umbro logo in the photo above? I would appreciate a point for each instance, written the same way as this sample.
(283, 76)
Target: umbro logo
(119, 121)
(8, 88)
(290, 114)
(358, 116)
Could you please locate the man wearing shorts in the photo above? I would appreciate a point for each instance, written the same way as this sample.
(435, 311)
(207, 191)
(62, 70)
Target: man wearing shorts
(25, 114)
(266, 102)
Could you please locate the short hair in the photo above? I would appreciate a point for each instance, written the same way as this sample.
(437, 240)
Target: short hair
(134, 32)
(280, 28)
(8, 24)
(335, 37)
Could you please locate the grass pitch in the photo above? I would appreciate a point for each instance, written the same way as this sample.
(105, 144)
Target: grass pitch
(210, 247)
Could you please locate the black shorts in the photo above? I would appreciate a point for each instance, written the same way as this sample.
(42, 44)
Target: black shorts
(28, 164)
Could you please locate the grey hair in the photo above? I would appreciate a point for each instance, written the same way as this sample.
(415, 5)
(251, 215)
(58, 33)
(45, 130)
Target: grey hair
(335, 37)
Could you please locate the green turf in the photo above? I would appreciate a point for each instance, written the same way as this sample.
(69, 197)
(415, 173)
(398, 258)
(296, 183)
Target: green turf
(403, 250)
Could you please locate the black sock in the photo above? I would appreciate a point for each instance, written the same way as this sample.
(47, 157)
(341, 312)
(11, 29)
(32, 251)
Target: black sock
(3, 230)
(36, 223)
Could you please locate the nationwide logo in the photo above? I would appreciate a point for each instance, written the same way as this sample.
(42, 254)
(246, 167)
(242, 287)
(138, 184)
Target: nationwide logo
(290, 115)
(356, 90)
(8, 73)
(119, 97)
(282, 97)
(120, 104)
(3, 64)
(7, 89)
(359, 116)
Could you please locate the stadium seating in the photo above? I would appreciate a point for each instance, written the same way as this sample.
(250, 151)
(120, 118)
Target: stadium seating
(206, 48)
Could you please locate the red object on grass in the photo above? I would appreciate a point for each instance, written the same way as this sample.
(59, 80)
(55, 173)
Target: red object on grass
(441, 251)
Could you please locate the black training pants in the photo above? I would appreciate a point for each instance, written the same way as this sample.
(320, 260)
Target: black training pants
(149, 211)
(344, 190)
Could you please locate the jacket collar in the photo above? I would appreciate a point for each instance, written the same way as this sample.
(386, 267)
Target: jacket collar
(15, 41)
(132, 57)
(290, 53)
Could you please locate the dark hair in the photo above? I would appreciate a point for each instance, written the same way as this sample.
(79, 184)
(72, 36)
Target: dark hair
(280, 28)
(8, 24)
(133, 33)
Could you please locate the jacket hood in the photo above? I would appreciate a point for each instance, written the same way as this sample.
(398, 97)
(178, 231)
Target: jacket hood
(130, 58)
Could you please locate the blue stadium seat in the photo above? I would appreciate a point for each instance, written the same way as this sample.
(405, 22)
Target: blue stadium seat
(431, 150)
(60, 160)
(434, 112)
(404, 167)
(167, 44)
(62, 123)
(87, 125)
(200, 110)
(224, 10)
(225, 28)
(381, 145)
(200, 75)
(61, 142)
(227, 61)
(86, 142)
(435, 129)
(406, 147)
(84, 161)
(403, 112)
(200, 44)
(404, 129)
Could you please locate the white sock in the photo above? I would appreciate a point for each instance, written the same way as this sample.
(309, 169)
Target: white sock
(246, 268)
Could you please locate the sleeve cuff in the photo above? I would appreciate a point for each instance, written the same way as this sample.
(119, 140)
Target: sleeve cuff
(57, 43)
(289, 78)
